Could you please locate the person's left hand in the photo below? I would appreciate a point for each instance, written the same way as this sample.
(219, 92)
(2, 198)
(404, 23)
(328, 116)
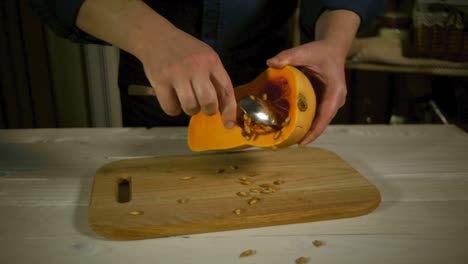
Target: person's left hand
(325, 62)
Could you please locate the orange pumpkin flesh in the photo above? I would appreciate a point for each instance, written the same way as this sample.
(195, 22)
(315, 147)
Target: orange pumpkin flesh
(289, 93)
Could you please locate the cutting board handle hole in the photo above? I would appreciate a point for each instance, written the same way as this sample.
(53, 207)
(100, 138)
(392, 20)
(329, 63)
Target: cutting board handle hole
(124, 190)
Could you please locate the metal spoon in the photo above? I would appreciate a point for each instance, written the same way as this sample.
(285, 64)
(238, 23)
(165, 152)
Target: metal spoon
(257, 110)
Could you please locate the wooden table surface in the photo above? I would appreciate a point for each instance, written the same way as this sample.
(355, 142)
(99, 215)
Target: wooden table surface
(421, 171)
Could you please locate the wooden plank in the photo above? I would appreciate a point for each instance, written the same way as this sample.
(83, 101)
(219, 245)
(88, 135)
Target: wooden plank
(418, 218)
(399, 248)
(37, 67)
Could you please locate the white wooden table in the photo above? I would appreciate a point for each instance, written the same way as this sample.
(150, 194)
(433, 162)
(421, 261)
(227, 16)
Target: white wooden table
(421, 171)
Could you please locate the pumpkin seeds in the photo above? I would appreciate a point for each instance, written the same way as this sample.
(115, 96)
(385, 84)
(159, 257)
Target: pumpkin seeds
(247, 253)
(245, 182)
(317, 243)
(278, 182)
(286, 122)
(302, 260)
(255, 190)
(265, 185)
(186, 178)
(183, 200)
(237, 211)
(135, 213)
(242, 194)
(277, 134)
(253, 200)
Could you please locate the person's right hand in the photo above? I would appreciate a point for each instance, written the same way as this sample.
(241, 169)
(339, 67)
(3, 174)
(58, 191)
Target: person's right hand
(187, 75)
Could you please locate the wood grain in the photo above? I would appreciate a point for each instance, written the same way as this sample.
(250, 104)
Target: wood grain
(318, 185)
(421, 172)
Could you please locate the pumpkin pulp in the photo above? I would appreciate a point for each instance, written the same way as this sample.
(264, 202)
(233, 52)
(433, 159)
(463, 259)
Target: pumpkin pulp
(289, 94)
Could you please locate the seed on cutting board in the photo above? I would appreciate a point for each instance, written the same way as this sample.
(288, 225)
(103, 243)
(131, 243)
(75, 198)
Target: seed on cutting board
(186, 178)
(247, 253)
(251, 174)
(274, 148)
(242, 194)
(278, 182)
(234, 167)
(246, 182)
(317, 243)
(302, 260)
(220, 170)
(243, 178)
(135, 213)
(267, 191)
(265, 185)
(255, 190)
(183, 200)
(237, 211)
(253, 200)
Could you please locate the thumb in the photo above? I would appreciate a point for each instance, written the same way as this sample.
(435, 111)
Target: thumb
(286, 57)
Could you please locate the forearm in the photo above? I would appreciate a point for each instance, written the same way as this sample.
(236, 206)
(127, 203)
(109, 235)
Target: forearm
(338, 28)
(125, 24)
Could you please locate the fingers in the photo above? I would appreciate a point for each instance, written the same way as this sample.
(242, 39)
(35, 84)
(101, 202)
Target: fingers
(295, 56)
(208, 89)
(188, 101)
(226, 97)
(205, 94)
(167, 99)
(333, 99)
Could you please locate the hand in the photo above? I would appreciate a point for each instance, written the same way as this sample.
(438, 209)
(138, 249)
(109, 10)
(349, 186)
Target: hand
(324, 62)
(187, 75)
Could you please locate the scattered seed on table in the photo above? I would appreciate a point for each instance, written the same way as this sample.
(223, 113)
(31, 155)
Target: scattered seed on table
(243, 179)
(317, 243)
(237, 211)
(265, 185)
(186, 178)
(247, 253)
(302, 260)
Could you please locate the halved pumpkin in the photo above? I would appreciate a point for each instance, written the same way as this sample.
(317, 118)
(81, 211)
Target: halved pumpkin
(290, 95)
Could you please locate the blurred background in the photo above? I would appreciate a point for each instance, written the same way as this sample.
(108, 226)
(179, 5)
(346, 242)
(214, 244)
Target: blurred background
(409, 67)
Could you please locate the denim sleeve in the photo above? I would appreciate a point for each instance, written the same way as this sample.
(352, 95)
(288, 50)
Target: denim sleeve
(60, 17)
(367, 10)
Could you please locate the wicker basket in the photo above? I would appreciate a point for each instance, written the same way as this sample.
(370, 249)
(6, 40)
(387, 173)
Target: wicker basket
(440, 30)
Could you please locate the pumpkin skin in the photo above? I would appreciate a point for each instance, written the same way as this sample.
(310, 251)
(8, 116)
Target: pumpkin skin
(290, 94)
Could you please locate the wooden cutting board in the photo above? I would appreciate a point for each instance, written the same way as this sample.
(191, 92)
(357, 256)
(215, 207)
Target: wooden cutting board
(167, 196)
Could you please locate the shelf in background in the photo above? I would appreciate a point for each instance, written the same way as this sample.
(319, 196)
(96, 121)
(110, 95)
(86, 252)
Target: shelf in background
(408, 69)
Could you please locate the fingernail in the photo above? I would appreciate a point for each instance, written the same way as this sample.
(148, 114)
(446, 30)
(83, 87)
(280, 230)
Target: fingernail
(229, 124)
